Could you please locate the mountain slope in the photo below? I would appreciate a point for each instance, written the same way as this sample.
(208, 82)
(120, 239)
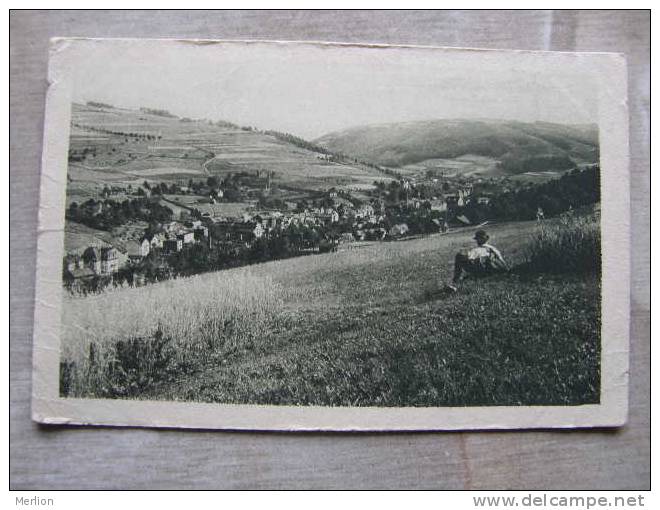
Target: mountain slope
(170, 148)
(519, 147)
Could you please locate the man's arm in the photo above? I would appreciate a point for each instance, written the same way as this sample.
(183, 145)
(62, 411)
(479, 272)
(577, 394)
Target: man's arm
(499, 256)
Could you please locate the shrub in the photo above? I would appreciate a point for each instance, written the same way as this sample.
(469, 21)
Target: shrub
(571, 244)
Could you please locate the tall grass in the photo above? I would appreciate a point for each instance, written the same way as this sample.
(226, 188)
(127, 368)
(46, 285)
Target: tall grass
(119, 343)
(570, 244)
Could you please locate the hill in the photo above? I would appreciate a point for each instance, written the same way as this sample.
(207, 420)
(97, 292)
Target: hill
(109, 144)
(486, 147)
(361, 327)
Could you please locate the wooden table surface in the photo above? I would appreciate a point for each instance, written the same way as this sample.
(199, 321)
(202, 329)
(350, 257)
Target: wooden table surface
(76, 458)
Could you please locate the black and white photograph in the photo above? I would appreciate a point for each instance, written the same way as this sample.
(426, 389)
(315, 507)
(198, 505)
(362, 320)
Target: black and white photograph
(331, 236)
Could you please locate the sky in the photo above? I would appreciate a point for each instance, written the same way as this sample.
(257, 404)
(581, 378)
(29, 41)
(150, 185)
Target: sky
(310, 90)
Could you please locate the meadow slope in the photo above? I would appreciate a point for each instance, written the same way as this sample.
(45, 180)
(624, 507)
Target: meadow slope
(366, 326)
(190, 149)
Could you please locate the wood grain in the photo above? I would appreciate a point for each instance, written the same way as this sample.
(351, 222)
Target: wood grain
(76, 458)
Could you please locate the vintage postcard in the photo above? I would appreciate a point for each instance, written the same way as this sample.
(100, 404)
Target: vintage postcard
(327, 236)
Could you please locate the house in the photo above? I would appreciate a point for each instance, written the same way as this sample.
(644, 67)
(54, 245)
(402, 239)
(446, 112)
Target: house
(109, 260)
(379, 206)
(247, 232)
(138, 250)
(269, 221)
(172, 226)
(145, 246)
(172, 245)
(133, 251)
(463, 198)
(328, 216)
(240, 232)
(438, 205)
(257, 230)
(399, 230)
(73, 261)
(303, 218)
(81, 274)
(346, 211)
(92, 259)
(365, 211)
(155, 240)
(201, 233)
(186, 237)
(76, 275)
(192, 224)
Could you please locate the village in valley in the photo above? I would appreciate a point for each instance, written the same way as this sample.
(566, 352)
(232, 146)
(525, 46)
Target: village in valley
(155, 230)
(322, 221)
(144, 206)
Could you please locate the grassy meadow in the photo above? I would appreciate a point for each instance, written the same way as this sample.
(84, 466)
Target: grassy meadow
(369, 326)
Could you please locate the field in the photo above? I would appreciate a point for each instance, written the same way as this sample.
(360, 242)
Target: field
(466, 165)
(191, 149)
(364, 327)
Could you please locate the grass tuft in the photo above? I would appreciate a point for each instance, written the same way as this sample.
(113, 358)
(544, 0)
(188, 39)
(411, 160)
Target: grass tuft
(570, 244)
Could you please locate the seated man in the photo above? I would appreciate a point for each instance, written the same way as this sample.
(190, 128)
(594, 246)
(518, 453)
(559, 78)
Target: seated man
(481, 260)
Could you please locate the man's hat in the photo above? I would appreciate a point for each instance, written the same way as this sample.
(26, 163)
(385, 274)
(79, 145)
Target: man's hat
(480, 235)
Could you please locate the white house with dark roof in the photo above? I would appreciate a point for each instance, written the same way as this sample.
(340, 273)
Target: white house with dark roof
(136, 251)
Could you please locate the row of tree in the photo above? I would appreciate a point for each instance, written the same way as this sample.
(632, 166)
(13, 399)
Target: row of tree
(574, 189)
(125, 134)
(107, 214)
